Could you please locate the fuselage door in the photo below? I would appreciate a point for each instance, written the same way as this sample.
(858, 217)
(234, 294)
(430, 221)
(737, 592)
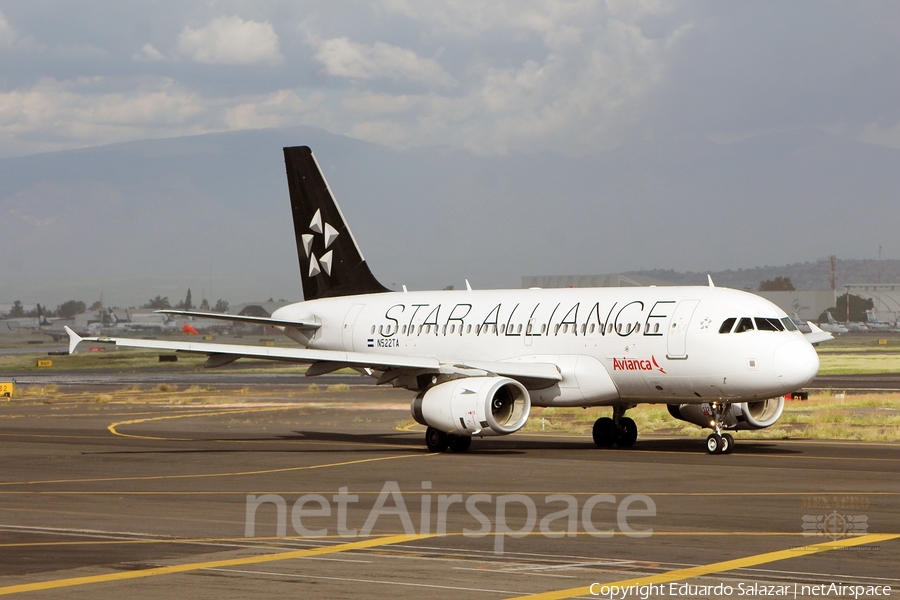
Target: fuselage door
(347, 332)
(678, 328)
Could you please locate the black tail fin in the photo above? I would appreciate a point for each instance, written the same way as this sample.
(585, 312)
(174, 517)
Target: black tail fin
(42, 320)
(331, 263)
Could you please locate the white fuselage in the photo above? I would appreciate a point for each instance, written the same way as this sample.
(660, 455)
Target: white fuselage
(611, 345)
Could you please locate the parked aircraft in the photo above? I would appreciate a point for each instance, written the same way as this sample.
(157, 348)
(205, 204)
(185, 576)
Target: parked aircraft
(874, 323)
(849, 325)
(480, 359)
(833, 326)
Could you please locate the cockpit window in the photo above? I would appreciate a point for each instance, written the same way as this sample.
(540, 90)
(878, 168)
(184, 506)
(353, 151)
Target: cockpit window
(745, 324)
(767, 324)
(727, 325)
(789, 324)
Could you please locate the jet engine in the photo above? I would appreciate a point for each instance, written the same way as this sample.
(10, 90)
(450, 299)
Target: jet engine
(738, 416)
(473, 406)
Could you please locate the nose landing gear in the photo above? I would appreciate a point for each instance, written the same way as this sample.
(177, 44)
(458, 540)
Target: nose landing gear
(619, 430)
(718, 442)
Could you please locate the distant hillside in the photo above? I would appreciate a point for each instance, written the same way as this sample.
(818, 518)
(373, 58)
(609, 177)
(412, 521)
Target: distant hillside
(804, 276)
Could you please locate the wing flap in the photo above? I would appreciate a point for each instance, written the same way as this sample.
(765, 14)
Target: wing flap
(243, 319)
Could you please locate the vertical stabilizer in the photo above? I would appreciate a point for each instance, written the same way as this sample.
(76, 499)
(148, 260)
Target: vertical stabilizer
(331, 263)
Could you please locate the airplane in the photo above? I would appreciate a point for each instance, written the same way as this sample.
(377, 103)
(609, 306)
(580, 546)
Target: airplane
(849, 325)
(873, 322)
(478, 360)
(833, 326)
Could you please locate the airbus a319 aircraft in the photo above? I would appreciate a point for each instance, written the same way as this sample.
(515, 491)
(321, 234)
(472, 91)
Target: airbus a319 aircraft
(480, 359)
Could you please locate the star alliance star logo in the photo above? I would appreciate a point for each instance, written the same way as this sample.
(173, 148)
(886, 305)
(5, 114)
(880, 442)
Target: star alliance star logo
(329, 233)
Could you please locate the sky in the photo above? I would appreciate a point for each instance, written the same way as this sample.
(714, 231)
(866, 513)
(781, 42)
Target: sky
(496, 77)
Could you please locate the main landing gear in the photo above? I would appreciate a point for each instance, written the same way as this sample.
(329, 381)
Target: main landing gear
(718, 442)
(619, 430)
(438, 441)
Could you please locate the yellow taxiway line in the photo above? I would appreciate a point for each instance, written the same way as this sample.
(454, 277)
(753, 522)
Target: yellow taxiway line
(728, 565)
(214, 564)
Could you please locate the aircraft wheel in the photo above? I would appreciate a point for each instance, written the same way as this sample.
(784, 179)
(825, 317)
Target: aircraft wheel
(627, 433)
(728, 443)
(460, 443)
(436, 440)
(714, 443)
(604, 432)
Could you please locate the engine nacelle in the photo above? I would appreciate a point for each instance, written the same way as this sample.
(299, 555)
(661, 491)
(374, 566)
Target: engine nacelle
(738, 416)
(474, 406)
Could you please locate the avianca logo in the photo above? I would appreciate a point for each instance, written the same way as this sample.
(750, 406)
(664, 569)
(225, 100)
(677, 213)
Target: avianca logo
(636, 364)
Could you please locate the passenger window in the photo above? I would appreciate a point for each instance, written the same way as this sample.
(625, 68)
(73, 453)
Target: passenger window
(469, 328)
(592, 328)
(519, 329)
(745, 324)
(727, 325)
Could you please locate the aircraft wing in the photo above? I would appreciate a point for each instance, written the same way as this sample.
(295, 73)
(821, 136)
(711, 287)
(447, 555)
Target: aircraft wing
(243, 319)
(324, 361)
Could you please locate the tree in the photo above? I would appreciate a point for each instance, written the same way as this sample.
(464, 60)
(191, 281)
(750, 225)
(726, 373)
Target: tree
(70, 308)
(858, 308)
(221, 306)
(158, 303)
(779, 284)
(17, 311)
(204, 304)
(187, 303)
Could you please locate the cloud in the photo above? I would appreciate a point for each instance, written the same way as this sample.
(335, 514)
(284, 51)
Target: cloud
(52, 114)
(576, 83)
(7, 33)
(231, 41)
(344, 58)
(148, 52)
(283, 108)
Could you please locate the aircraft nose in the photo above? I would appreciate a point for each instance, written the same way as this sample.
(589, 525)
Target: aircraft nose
(796, 364)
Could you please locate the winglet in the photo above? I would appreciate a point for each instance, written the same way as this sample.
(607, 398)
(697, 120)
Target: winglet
(74, 339)
(709, 277)
(816, 334)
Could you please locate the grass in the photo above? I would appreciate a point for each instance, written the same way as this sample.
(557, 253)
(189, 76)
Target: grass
(866, 417)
